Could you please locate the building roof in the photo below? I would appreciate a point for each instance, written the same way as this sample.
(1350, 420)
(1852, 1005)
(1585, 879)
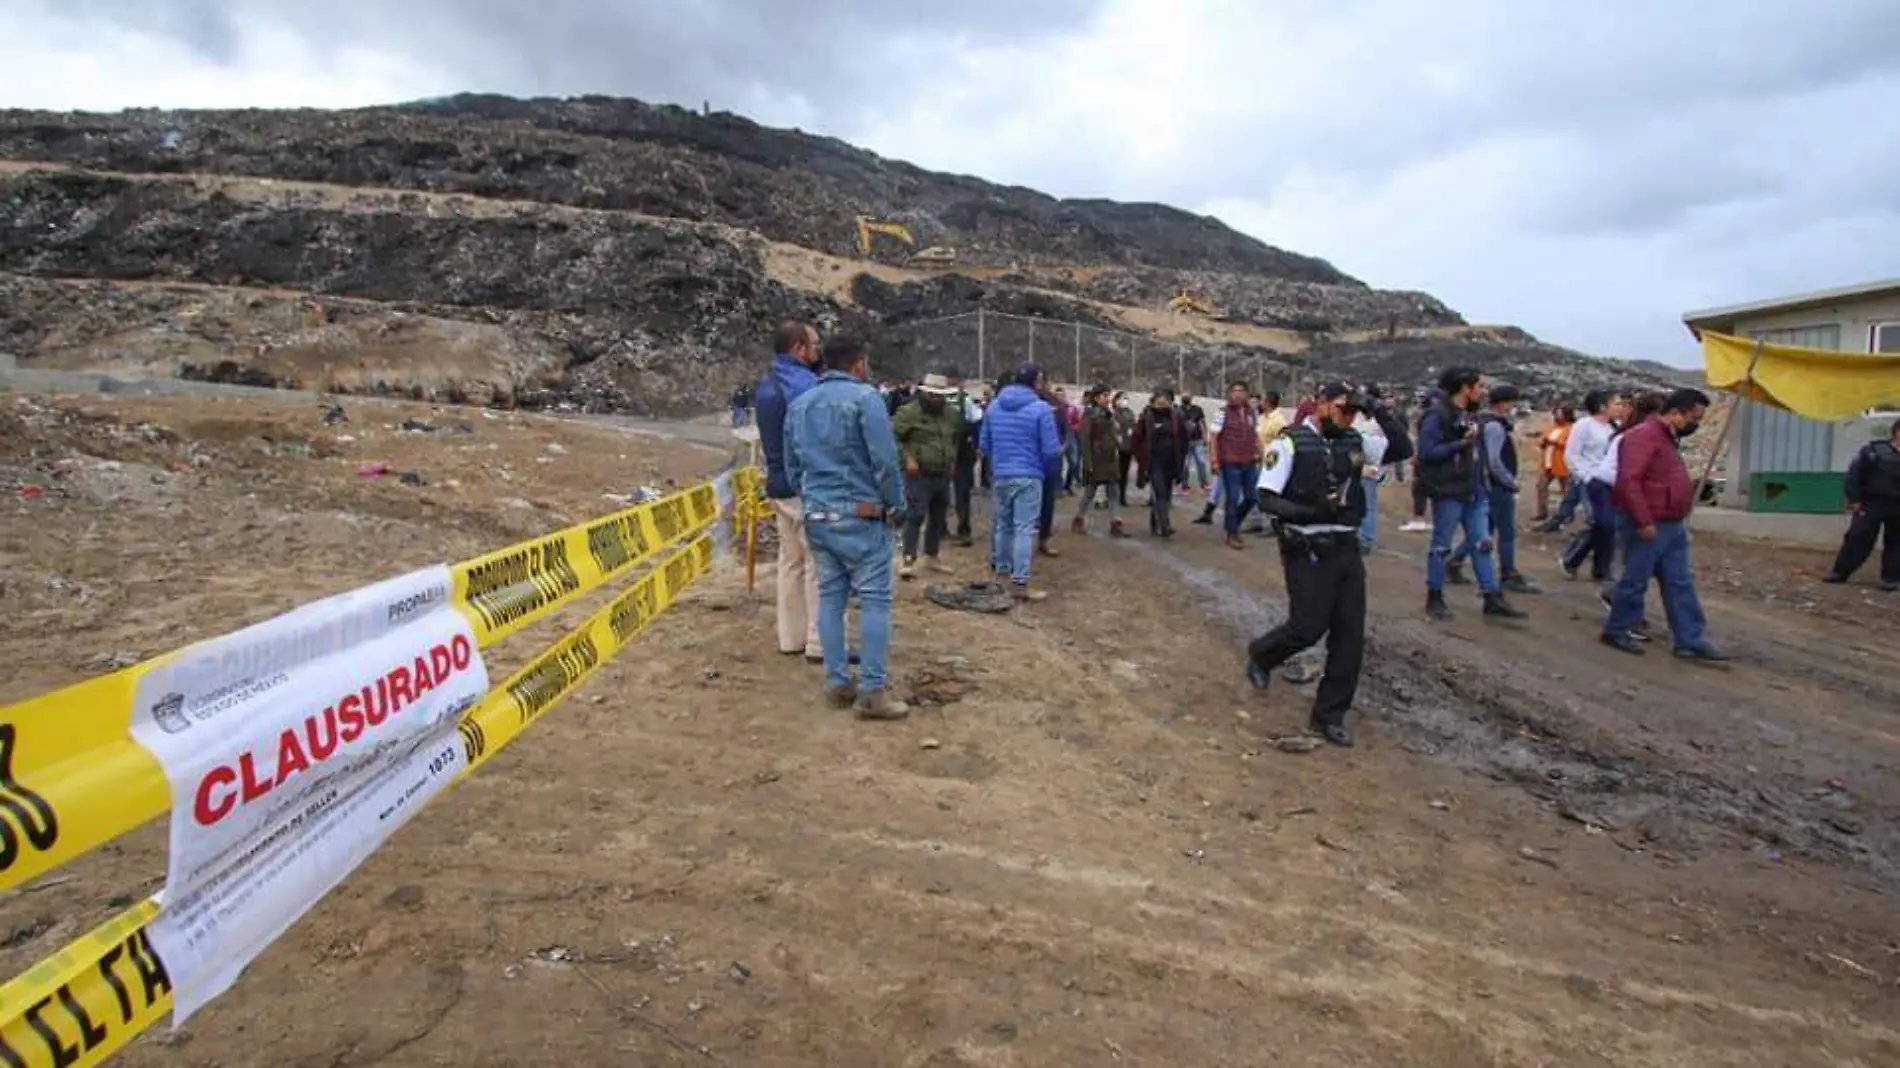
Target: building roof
(1722, 320)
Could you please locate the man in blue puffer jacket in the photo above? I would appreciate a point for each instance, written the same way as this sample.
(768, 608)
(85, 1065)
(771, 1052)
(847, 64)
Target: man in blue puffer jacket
(1019, 439)
(795, 348)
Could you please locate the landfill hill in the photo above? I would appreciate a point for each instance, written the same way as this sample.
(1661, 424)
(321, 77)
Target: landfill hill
(610, 255)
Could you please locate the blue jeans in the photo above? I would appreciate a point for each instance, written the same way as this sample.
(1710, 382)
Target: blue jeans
(1240, 491)
(1666, 559)
(1503, 527)
(1369, 527)
(1448, 519)
(1013, 526)
(854, 560)
(1196, 463)
(1567, 509)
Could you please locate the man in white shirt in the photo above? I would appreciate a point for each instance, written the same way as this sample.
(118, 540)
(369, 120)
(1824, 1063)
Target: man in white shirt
(1589, 455)
(1373, 476)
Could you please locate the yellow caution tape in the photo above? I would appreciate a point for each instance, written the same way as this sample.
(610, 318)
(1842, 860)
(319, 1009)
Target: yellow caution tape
(72, 778)
(80, 1005)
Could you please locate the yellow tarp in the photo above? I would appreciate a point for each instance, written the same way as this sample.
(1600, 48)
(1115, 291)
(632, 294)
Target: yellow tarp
(1817, 383)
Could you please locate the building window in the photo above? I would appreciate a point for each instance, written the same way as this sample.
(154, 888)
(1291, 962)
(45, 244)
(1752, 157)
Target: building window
(1884, 337)
(1821, 336)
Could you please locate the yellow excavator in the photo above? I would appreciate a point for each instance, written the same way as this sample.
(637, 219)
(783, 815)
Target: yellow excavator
(867, 227)
(1190, 303)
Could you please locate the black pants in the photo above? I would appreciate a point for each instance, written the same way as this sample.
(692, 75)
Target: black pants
(1046, 519)
(1596, 542)
(926, 504)
(1421, 497)
(1161, 503)
(1863, 530)
(965, 483)
(1122, 463)
(1325, 597)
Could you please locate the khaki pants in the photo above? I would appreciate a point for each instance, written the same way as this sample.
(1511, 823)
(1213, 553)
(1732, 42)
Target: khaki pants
(797, 580)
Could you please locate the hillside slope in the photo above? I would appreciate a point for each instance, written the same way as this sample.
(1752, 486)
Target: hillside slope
(613, 255)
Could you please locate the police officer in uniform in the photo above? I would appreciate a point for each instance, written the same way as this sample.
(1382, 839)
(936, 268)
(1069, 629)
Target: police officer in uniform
(1873, 489)
(1310, 487)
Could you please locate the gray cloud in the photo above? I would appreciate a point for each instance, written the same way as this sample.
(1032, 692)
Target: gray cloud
(1636, 154)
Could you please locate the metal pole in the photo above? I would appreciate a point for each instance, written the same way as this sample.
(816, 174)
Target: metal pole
(1032, 341)
(1180, 369)
(980, 376)
(1134, 353)
(1078, 350)
(1223, 369)
(1721, 439)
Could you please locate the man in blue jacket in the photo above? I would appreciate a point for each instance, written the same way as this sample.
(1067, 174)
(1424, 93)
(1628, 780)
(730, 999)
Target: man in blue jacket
(1459, 484)
(841, 454)
(1019, 439)
(796, 351)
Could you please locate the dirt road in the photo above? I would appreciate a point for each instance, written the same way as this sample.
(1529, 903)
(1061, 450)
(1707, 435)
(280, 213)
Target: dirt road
(1541, 853)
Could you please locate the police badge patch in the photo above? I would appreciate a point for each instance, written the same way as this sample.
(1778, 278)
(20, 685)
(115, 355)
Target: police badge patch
(1358, 458)
(1272, 458)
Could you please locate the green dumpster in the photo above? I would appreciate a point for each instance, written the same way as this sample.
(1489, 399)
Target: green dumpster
(1798, 492)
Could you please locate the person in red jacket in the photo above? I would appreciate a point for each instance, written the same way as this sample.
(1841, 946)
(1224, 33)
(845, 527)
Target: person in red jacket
(1653, 496)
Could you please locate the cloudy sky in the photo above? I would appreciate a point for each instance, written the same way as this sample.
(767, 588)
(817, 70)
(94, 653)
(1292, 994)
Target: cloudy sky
(1586, 170)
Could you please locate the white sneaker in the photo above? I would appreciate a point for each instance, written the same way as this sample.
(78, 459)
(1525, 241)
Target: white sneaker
(909, 570)
(1415, 526)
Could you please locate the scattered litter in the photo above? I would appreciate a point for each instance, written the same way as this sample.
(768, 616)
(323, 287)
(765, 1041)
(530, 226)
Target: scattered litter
(123, 658)
(555, 448)
(417, 426)
(930, 743)
(647, 493)
(989, 598)
(411, 478)
(1296, 743)
(376, 469)
(1535, 857)
(333, 414)
(1328, 843)
(739, 972)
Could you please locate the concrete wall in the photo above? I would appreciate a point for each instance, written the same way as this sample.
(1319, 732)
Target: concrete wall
(1856, 321)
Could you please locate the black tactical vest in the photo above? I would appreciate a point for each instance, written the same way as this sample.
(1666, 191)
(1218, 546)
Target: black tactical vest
(1448, 480)
(1509, 451)
(1322, 467)
(1882, 480)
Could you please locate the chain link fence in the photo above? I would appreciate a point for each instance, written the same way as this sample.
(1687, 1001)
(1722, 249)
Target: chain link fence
(984, 345)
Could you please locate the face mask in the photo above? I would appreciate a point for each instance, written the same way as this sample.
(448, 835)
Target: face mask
(1330, 429)
(1471, 405)
(1689, 428)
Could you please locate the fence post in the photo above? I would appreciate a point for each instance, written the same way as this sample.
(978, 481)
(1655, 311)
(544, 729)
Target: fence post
(1222, 384)
(1032, 341)
(980, 376)
(1078, 350)
(1180, 369)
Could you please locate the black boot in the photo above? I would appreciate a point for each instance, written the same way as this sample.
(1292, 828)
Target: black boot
(1335, 733)
(1496, 607)
(1436, 607)
(1207, 516)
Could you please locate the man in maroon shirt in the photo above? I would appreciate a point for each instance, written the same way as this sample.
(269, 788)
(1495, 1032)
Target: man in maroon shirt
(1236, 448)
(1653, 497)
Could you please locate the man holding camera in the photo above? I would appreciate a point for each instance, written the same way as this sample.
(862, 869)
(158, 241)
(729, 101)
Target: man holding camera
(1459, 482)
(1311, 485)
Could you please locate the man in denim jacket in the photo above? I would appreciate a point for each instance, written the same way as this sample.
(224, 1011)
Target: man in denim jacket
(841, 454)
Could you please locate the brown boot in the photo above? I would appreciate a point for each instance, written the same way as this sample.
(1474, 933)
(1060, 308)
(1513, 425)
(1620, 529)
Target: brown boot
(1234, 542)
(1078, 526)
(877, 704)
(841, 696)
(1048, 547)
(1116, 530)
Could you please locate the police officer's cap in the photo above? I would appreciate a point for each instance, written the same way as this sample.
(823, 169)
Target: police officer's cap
(1505, 393)
(1335, 390)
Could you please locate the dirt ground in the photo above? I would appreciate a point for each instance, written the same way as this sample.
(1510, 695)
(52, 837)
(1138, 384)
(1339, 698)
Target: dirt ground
(1091, 853)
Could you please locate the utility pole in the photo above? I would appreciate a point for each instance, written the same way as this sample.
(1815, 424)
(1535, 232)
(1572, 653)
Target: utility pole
(1078, 350)
(1222, 384)
(980, 377)
(1032, 341)
(1180, 369)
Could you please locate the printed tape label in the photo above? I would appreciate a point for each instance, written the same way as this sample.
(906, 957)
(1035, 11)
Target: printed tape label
(284, 760)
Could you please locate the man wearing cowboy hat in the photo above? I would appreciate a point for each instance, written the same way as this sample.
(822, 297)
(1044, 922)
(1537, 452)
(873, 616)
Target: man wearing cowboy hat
(929, 432)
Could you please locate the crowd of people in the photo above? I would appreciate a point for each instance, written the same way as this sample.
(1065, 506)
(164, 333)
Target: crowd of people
(847, 459)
